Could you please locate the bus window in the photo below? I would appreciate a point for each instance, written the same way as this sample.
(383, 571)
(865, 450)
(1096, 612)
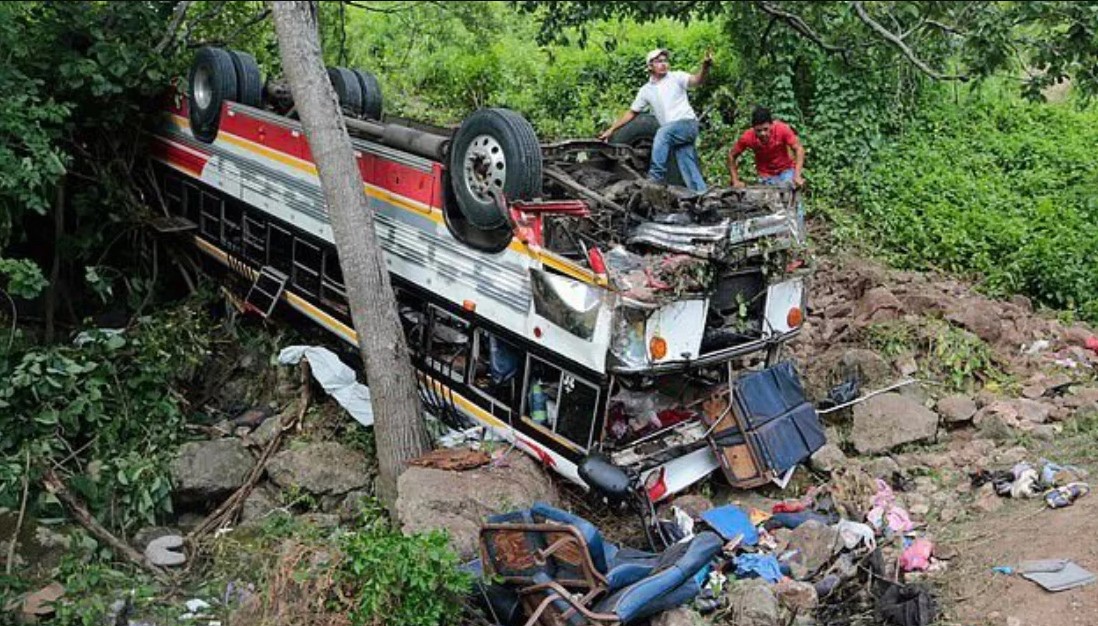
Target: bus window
(173, 195)
(192, 199)
(570, 403)
(413, 319)
(232, 231)
(255, 240)
(210, 218)
(448, 344)
(279, 248)
(306, 274)
(497, 368)
(332, 290)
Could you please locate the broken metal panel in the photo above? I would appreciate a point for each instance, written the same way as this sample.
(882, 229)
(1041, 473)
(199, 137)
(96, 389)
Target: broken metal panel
(568, 303)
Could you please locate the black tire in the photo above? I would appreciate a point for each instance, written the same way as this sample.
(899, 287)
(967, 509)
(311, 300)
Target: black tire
(249, 82)
(638, 134)
(347, 89)
(212, 81)
(494, 149)
(371, 95)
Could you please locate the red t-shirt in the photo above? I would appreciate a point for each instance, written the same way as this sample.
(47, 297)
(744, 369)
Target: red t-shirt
(772, 158)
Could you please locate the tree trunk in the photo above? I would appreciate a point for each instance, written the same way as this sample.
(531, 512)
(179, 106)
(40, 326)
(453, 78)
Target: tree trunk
(400, 434)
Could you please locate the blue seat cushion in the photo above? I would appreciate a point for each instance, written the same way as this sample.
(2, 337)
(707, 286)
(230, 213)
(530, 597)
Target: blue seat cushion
(627, 566)
(678, 576)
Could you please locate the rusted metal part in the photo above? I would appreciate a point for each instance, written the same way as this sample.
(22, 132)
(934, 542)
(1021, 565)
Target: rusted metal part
(561, 177)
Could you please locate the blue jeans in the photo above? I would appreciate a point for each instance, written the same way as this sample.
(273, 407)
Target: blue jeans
(782, 179)
(677, 137)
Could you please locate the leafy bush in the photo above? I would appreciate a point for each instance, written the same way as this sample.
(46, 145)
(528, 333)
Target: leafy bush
(105, 401)
(401, 580)
(995, 188)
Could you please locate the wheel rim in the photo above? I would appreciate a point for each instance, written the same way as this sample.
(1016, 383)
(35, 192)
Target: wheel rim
(203, 91)
(484, 167)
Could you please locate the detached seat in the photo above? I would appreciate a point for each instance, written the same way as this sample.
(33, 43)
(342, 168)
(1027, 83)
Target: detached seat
(565, 574)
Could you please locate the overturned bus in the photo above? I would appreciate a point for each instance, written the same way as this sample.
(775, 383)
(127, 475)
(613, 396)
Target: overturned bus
(548, 292)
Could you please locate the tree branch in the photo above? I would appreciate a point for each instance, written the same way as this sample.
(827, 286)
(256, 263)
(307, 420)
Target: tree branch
(798, 24)
(257, 18)
(898, 43)
(173, 28)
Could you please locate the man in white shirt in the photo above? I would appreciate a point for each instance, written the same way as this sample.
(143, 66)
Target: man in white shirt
(665, 95)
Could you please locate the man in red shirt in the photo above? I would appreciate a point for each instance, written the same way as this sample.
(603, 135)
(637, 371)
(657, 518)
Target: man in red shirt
(779, 156)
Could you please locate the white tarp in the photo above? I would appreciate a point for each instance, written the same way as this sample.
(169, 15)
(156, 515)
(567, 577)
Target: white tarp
(338, 379)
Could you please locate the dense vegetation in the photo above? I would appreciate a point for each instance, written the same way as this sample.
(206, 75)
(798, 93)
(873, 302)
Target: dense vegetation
(969, 179)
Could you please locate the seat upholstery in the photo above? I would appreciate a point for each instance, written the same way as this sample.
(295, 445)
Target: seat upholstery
(625, 585)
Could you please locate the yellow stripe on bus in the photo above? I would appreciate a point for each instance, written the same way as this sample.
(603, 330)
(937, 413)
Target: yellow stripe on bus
(432, 213)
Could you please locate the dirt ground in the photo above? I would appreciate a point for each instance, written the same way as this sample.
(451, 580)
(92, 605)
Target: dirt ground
(974, 595)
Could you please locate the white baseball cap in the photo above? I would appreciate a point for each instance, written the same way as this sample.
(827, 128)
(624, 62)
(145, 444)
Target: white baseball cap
(655, 53)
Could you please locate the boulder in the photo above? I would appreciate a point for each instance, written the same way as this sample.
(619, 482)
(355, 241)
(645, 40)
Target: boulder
(882, 467)
(752, 602)
(889, 420)
(458, 502)
(323, 468)
(206, 472)
(827, 458)
(815, 544)
(797, 596)
(956, 408)
(978, 316)
(878, 305)
(258, 504)
(1032, 410)
(166, 551)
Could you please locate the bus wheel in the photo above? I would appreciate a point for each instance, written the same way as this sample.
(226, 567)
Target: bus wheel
(371, 94)
(495, 151)
(248, 80)
(212, 81)
(347, 89)
(638, 134)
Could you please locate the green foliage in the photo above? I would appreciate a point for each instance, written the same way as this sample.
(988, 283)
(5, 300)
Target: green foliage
(106, 402)
(996, 188)
(25, 279)
(400, 580)
(944, 353)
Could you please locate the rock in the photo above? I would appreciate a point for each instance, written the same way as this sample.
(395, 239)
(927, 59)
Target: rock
(1045, 432)
(878, 305)
(906, 365)
(205, 472)
(1077, 335)
(882, 467)
(350, 507)
(324, 468)
(995, 426)
(816, 544)
(1023, 303)
(752, 602)
(166, 551)
(681, 616)
(266, 431)
(918, 505)
(1032, 410)
(458, 502)
(978, 316)
(1014, 455)
(1081, 396)
(827, 458)
(145, 536)
(40, 603)
(987, 501)
(796, 596)
(889, 420)
(956, 408)
(258, 504)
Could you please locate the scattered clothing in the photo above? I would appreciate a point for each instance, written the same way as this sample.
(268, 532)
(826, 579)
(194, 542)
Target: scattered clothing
(338, 380)
(917, 555)
(907, 605)
(730, 522)
(762, 566)
(885, 514)
(854, 534)
(1061, 497)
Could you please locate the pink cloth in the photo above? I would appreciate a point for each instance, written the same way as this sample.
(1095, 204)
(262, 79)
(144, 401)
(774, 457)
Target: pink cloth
(885, 513)
(917, 555)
